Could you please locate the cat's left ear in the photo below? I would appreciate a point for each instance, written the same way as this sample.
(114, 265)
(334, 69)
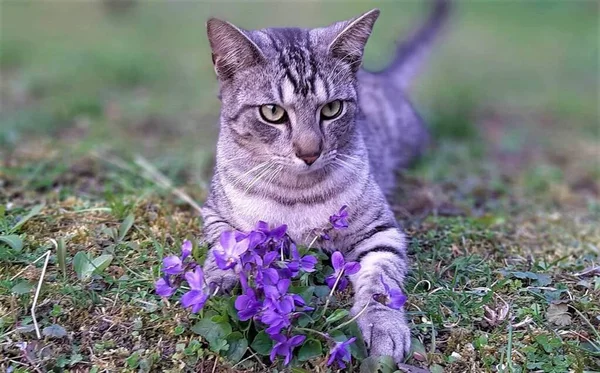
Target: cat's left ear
(232, 49)
(349, 43)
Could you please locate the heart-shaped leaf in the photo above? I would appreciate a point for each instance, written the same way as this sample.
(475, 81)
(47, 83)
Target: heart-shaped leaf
(213, 332)
(310, 350)
(262, 344)
(237, 347)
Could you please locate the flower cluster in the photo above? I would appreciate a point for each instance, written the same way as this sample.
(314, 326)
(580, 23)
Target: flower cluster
(268, 262)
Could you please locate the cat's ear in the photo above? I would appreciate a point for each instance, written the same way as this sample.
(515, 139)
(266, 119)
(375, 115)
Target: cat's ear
(351, 37)
(232, 50)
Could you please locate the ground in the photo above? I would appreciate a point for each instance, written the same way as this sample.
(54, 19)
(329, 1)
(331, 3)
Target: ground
(110, 112)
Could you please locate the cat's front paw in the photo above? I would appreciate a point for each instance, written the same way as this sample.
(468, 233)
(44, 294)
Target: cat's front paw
(215, 277)
(384, 330)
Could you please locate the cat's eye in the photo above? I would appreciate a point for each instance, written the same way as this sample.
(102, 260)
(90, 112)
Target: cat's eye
(274, 114)
(331, 110)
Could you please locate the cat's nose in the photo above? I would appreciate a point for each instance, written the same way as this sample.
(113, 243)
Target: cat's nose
(308, 158)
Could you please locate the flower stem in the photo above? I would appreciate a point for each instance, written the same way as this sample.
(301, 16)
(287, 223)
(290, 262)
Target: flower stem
(337, 280)
(313, 242)
(354, 318)
(327, 337)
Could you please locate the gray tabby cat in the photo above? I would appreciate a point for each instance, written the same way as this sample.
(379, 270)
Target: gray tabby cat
(304, 130)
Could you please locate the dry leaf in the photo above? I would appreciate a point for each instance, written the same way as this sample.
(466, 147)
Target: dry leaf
(558, 314)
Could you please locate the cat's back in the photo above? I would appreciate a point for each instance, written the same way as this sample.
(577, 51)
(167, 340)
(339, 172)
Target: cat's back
(393, 131)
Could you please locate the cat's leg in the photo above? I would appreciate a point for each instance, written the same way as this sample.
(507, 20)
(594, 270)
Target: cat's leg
(214, 226)
(382, 256)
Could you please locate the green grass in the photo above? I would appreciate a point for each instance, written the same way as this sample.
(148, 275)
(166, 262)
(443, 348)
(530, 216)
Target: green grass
(503, 212)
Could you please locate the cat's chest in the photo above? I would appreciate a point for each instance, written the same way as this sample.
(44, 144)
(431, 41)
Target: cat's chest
(301, 219)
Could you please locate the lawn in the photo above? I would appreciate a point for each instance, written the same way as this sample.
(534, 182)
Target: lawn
(108, 122)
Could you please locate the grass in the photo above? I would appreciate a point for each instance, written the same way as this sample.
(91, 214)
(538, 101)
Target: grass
(503, 212)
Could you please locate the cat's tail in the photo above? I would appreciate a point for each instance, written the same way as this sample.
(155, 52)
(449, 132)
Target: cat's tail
(412, 53)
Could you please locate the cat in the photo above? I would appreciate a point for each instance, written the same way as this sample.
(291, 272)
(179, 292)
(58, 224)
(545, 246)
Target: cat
(304, 130)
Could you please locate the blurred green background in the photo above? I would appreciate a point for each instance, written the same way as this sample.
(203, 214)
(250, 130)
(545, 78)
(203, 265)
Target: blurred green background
(140, 77)
(512, 182)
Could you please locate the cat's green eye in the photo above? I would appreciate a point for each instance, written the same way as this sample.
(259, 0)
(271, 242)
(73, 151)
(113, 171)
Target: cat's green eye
(331, 110)
(274, 114)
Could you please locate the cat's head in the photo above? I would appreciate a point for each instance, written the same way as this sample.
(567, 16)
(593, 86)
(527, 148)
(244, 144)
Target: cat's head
(289, 94)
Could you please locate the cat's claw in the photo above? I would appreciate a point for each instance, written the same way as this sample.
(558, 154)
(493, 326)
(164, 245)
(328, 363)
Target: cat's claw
(385, 331)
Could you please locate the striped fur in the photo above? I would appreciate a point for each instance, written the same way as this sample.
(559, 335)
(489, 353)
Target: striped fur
(259, 177)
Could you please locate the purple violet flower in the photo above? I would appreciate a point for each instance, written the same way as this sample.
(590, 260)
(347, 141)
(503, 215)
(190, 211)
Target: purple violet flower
(231, 250)
(255, 238)
(340, 353)
(340, 220)
(275, 320)
(196, 297)
(172, 265)
(285, 346)
(306, 263)
(247, 305)
(278, 298)
(186, 249)
(163, 287)
(343, 269)
(275, 234)
(393, 298)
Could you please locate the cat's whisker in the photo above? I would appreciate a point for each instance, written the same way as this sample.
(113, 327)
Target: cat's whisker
(231, 160)
(262, 173)
(348, 165)
(349, 157)
(256, 168)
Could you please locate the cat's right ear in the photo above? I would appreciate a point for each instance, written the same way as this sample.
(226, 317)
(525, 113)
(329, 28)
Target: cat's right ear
(232, 50)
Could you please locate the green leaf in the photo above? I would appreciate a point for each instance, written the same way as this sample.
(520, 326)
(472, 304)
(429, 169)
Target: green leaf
(417, 350)
(213, 332)
(310, 350)
(539, 279)
(13, 241)
(387, 364)
(179, 329)
(435, 368)
(61, 255)
(358, 348)
(126, 226)
(369, 365)
(231, 310)
(322, 291)
(262, 344)
(81, 265)
(133, 360)
(306, 292)
(237, 347)
(22, 287)
(34, 211)
(337, 315)
(101, 263)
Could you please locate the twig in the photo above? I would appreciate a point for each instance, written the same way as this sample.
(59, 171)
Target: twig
(26, 267)
(161, 179)
(337, 280)
(215, 365)
(354, 318)
(37, 293)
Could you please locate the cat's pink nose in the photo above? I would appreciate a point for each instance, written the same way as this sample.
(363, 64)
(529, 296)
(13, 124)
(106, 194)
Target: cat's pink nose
(309, 158)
